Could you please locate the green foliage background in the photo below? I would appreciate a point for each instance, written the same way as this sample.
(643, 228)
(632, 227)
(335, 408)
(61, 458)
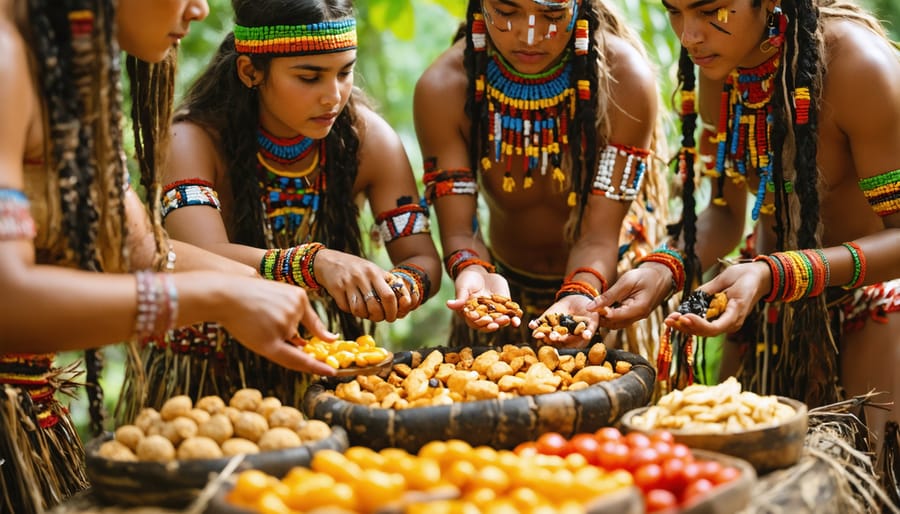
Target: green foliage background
(398, 39)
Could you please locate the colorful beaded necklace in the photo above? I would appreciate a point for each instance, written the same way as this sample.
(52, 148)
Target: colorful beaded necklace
(290, 200)
(745, 125)
(528, 115)
(281, 149)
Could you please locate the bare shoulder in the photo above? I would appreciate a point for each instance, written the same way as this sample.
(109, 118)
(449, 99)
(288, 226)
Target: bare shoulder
(633, 93)
(629, 68)
(860, 65)
(444, 82)
(374, 131)
(193, 153)
(18, 103)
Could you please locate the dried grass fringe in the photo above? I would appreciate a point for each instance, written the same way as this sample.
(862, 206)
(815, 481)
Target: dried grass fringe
(154, 375)
(39, 467)
(836, 473)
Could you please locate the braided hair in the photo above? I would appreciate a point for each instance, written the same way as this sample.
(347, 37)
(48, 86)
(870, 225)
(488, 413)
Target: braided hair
(220, 103)
(805, 365)
(590, 127)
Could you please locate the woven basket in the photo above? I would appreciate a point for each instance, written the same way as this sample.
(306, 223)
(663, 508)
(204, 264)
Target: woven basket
(500, 423)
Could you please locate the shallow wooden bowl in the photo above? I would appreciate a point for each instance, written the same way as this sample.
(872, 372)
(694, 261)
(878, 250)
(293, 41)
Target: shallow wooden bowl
(177, 483)
(501, 424)
(768, 448)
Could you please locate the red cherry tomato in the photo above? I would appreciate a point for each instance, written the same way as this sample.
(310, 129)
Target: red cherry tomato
(725, 475)
(709, 469)
(638, 457)
(608, 434)
(586, 445)
(673, 477)
(663, 436)
(637, 440)
(552, 443)
(648, 477)
(612, 455)
(680, 451)
(526, 448)
(659, 500)
(663, 448)
(696, 491)
(691, 472)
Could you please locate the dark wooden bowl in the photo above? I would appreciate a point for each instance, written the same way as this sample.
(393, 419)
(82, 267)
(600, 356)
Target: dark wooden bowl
(767, 448)
(501, 424)
(177, 483)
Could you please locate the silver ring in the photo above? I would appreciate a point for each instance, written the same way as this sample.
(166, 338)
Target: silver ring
(369, 295)
(353, 299)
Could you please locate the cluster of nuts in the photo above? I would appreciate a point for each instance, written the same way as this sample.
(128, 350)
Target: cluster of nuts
(493, 306)
(704, 304)
(722, 408)
(343, 354)
(210, 429)
(562, 324)
(442, 379)
(445, 476)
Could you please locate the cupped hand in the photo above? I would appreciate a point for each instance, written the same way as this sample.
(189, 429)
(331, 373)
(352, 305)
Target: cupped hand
(743, 285)
(573, 305)
(473, 282)
(358, 286)
(264, 316)
(633, 296)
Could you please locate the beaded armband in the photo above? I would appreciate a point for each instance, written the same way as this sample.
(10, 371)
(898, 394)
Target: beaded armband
(883, 192)
(571, 287)
(416, 279)
(671, 259)
(15, 216)
(636, 161)
(157, 303)
(458, 181)
(796, 274)
(292, 265)
(315, 38)
(188, 192)
(405, 220)
(462, 259)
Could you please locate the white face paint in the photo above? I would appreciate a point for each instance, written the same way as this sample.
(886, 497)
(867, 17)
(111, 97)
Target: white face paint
(531, 29)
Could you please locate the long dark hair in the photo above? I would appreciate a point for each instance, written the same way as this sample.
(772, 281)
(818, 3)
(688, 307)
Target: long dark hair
(220, 103)
(801, 356)
(590, 114)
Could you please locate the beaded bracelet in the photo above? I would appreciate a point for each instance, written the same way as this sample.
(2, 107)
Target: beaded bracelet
(796, 274)
(157, 303)
(671, 259)
(293, 265)
(592, 271)
(859, 265)
(416, 278)
(579, 287)
(462, 259)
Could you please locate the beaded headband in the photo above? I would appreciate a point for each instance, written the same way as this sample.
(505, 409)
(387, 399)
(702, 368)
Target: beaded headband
(553, 4)
(315, 38)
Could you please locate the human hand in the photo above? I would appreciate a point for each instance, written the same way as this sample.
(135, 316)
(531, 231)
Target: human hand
(633, 296)
(358, 286)
(473, 283)
(264, 315)
(743, 285)
(568, 310)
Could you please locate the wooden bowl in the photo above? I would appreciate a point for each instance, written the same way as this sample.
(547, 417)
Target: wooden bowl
(767, 448)
(177, 483)
(501, 424)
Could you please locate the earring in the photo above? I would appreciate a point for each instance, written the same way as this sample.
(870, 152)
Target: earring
(776, 24)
